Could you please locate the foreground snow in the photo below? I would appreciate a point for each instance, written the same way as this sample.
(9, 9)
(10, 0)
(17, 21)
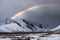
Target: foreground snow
(32, 37)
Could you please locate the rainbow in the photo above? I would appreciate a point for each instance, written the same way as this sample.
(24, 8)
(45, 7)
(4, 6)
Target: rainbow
(27, 9)
(21, 12)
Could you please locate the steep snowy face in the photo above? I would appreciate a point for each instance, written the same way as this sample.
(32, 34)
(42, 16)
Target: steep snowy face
(44, 17)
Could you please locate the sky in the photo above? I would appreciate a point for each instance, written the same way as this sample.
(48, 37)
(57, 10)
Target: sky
(11, 7)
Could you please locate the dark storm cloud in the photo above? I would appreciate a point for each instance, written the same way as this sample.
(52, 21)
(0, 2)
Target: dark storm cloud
(10, 7)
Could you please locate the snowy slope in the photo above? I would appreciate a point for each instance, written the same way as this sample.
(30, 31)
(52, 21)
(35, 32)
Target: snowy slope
(56, 28)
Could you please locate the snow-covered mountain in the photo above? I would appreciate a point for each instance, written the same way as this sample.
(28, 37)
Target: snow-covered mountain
(23, 26)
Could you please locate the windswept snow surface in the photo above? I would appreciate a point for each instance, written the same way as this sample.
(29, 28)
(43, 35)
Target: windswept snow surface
(33, 37)
(49, 37)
